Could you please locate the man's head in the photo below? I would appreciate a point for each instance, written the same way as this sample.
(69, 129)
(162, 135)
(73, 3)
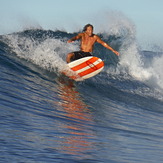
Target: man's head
(88, 29)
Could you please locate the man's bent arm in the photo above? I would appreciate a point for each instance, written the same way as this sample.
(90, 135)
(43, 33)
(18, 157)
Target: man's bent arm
(75, 38)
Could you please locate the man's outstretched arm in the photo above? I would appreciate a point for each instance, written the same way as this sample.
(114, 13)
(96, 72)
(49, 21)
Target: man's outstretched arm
(107, 46)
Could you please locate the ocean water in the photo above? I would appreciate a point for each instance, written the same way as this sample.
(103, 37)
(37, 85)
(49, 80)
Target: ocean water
(114, 117)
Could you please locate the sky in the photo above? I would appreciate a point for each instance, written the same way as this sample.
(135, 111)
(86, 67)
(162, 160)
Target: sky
(72, 15)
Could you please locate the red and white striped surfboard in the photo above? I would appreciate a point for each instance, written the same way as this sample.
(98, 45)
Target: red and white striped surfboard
(86, 67)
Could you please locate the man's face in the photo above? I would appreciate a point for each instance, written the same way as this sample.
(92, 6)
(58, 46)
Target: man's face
(89, 31)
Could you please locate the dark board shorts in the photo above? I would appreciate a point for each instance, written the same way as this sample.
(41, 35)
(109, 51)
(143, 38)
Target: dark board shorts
(80, 54)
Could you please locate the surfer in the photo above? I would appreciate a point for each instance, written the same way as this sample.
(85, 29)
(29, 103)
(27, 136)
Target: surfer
(88, 39)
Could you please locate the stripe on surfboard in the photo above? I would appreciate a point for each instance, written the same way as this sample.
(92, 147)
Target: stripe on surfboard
(91, 65)
(92, 74)
(90, 70)
(82, 65)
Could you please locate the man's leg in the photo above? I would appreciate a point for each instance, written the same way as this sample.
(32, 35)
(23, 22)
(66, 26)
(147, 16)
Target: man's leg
(69, 56)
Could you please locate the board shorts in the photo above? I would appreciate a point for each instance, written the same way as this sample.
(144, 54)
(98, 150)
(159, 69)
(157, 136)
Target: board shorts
(80, 54)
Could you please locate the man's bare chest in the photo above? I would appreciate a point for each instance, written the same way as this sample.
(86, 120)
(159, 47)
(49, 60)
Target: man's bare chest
(88, 40)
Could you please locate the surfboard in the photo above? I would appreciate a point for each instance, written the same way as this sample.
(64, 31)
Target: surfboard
(86, 67)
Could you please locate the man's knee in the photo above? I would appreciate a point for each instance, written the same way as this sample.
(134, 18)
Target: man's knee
(69, 56)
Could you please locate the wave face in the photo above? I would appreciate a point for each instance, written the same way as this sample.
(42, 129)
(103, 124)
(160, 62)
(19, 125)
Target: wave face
(115, 116)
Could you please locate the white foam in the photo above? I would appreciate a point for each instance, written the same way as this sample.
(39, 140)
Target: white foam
(49, 54)
(116, 23)
(157, 68)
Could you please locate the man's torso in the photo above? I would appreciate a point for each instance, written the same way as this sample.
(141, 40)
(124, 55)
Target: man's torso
(87, 42)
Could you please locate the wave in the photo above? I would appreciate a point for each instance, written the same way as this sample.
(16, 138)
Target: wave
(48, 49)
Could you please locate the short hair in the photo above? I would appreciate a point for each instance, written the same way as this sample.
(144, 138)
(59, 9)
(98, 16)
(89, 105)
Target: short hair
(86, 26)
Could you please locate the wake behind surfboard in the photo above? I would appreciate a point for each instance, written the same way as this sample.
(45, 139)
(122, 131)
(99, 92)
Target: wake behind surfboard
(85, 68)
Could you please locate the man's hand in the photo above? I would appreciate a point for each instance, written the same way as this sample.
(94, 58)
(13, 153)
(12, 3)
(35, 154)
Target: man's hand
(69, 41)
(117, 53)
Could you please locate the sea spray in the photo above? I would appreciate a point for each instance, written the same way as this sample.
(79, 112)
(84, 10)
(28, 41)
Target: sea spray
(49, 54)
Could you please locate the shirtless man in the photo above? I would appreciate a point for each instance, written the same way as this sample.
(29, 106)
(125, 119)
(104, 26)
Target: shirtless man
(88, 40)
